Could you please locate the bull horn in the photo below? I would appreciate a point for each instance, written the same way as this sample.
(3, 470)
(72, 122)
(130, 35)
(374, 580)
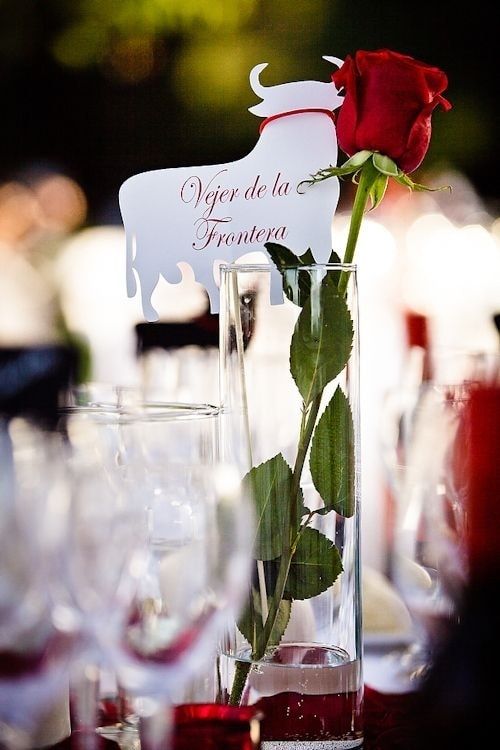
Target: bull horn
(256, 85)
(335, 60)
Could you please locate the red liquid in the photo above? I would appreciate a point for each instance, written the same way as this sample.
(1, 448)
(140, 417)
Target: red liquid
(305, 692)
(293, 716)
(173, 651)
(20, 665)
(212, 727)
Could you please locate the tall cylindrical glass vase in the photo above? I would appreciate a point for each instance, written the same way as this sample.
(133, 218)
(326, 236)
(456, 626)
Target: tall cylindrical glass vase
(290, 372)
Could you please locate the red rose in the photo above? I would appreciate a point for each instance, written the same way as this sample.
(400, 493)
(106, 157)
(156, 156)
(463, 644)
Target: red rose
(389, 99)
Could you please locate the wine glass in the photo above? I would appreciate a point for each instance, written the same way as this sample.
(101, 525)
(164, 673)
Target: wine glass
(429, 562)
(199, 538)
(423, 450)
(101, 559)
(196, 525)
(35, 656)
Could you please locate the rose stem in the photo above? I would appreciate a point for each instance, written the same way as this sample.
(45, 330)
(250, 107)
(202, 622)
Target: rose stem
(368, 176)
(306, 431)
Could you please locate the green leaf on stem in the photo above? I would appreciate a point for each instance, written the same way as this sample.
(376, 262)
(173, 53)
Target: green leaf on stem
(332, 456)
(283, 257)
(321, 342)
(297, 283)
(270, 486)
(335, 276)
(250, 622)
(286, 262)
(314, 567)
(281, 622)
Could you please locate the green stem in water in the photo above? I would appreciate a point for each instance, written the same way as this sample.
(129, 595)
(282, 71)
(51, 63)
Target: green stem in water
(240, 677)
(368, 176)
(243, 668)
(287, 554)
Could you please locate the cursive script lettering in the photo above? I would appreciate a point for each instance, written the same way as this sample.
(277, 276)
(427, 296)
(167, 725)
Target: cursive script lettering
(256, 190)
(280, 188)
(194, 191)
(208, 233)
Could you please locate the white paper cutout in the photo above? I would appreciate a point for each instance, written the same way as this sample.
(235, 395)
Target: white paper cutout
(218, 213)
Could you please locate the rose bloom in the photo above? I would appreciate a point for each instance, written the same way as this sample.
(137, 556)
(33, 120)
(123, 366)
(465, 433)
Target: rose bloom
(389, 99)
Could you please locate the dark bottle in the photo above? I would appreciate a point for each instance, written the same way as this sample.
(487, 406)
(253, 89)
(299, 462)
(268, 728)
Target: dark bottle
(178, 360)
(34, 381)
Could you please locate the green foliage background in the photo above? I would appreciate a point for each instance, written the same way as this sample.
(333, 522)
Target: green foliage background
(107, 89)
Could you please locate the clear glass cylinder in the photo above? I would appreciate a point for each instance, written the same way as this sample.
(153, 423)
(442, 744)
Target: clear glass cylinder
(290, 373)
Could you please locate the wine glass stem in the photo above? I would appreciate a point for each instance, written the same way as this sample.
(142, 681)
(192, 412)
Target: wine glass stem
(156, 727)
(86, 681)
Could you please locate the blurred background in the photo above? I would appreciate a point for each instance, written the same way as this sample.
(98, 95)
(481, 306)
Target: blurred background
(104, 90)
(92, 92)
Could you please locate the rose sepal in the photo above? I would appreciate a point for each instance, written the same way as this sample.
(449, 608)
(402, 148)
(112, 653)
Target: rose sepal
(351, 167)
(385, 166)
(406, 181)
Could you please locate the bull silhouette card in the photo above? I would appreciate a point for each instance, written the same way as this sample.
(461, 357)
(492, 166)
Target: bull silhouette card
(206, 215)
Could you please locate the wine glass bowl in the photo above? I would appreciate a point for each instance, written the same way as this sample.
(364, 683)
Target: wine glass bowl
(198, 545)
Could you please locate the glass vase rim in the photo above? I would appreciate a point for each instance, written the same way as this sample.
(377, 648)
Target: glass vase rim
(252, 267)
(154, 411)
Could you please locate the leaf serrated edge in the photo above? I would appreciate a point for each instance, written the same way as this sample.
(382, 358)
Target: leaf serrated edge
(332, 546)
(312, 393)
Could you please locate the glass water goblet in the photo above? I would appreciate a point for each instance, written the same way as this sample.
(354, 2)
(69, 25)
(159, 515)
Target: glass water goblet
(101, 560)
(429, 558)
(199, 536)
